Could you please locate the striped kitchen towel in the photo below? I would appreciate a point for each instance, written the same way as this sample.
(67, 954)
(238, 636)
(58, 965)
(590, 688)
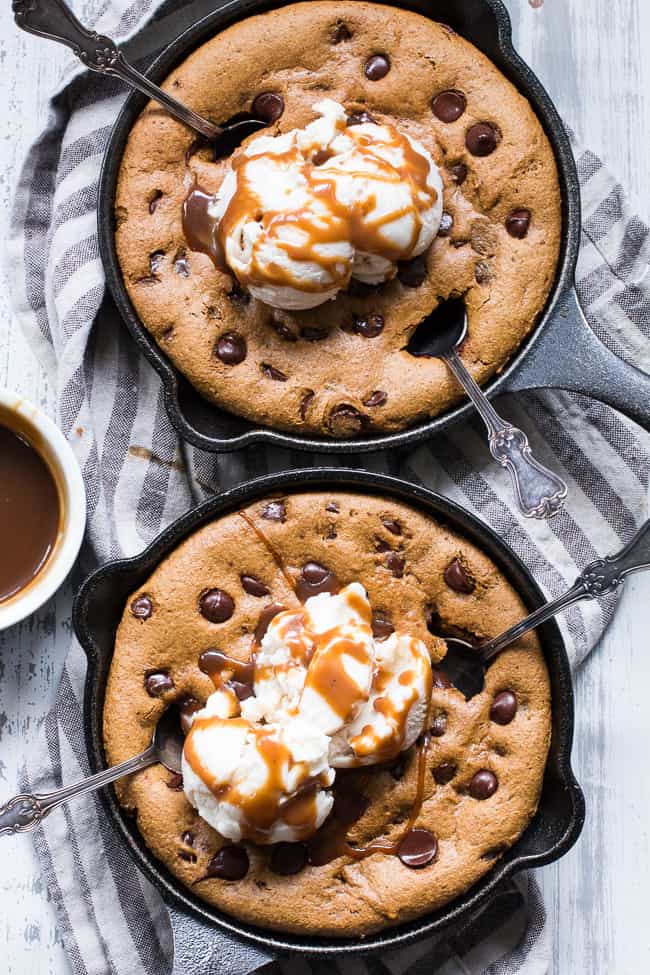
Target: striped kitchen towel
(139, 477)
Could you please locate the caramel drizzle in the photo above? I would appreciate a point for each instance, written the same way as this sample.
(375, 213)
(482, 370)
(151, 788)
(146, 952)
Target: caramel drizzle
(270, 547)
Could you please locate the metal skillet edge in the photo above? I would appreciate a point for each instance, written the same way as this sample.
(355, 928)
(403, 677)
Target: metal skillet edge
(96, 613)
(485, 23)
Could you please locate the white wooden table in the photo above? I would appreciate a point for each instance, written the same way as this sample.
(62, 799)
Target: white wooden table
(593, 57)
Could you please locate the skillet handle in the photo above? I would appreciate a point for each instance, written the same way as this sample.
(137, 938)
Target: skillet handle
(568, 355)
(204, 949)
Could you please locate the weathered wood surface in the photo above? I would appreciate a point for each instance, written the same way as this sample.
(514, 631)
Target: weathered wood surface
(592, 55)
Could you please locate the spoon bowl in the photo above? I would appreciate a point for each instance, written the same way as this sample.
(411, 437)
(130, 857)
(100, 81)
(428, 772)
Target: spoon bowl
(168, 740)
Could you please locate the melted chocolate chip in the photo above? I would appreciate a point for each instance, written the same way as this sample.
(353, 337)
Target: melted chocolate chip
(268, 106)
(288, 858)
(187, 855)
(378, 398)
(181, 264)
(483, 785)
(359, 289)
(457, 579)
(320, 157)
(345, 420)
(482, 272)
(158, 683)
(381, 545)
(391, 525)
(504, 707)
(175, 782)
(230, 863)
(216, 605)
(188, 707)
(444, 772)
(517, 223)
(265, 618)
(154, 200)
(381, 625)
(340, 32)
(448, 106)
(412, 273)
(446, 223)
(275, 511)
(459, 172)
(238, 296)
(377, 67)
(481, 139)
(440, 678)
(231, 348)
(370, 326)
(313, 333)
(306, 403)
(254, 586)
(438, 725)
(155, 261)
(141, 607)
(333, 507)
(418, 848)
(314, 579)
(283, 329)
(396, 564)
(359, 118)
(272, 373)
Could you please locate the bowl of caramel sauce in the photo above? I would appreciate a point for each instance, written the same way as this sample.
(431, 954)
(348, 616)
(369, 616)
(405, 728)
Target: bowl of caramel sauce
(42, 508)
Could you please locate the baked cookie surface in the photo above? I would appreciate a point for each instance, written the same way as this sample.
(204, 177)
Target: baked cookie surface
(485, 758)
(342, 369)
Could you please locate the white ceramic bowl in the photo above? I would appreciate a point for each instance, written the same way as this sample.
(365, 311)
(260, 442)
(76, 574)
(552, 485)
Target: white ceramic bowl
(52, 445)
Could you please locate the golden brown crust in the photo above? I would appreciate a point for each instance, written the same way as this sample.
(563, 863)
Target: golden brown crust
(291, 51)
(343, 898)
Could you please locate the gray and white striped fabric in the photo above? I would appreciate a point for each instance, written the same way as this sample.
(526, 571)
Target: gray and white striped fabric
(139, 477)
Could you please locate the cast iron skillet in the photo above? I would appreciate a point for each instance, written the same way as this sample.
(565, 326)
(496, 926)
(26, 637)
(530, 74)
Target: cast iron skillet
(562, 352)
(201, 932)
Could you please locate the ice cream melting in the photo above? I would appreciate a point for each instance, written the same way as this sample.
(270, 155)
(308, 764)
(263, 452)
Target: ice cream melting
(326, 696)
(297, 215)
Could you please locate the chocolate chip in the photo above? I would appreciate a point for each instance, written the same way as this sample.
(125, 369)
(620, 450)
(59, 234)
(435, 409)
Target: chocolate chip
(446, 223)
(345, 420)
(412, 273)
(333, 506)
(187, 855)
(288, 858)
(175, 782)
(418, 848)
(359, 289)
(378, 398)
(517, 223)
(391, 525)
(216, 605)
(283, 329)
(254, 586)
(181, 264)
(381, 625)
(230, 863)
(154, 200)
(155, 261)
(359, 118)
(268, 106)
(504, 707)
(481, 139)
(142, 607)
(238, 295)
(381, 545)
(306, 403)
(483, 785)
(440, 678)
(448, 106)
(242, 691)
(459, 172)
(265, 617)
(313, 333)
(396, 564)
(275, 511)
(438, 725)
(377, 67)
(315, 578)
(444, 772)
(340, 32)
(320, 157)
(187, 708)
(457, 579)
(231, 348)
(158, 683)
(370, 326)
(272, 373)
(483, 272)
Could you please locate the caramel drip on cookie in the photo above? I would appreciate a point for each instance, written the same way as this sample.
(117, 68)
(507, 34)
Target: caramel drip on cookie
(270, 547)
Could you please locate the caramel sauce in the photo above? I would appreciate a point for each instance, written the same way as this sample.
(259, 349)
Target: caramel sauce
(329, 678)
(270, 547)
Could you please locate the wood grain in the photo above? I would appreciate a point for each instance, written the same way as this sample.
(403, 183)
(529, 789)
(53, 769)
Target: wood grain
(592, 55)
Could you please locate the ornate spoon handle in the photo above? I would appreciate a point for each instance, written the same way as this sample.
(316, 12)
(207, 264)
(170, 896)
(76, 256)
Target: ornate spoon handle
(54, 20)
(599, 577)
(539, 492)
(25, 812)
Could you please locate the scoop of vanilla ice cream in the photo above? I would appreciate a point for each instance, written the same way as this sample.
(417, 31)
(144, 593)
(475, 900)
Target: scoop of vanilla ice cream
(241, 778)
(299, 214)
(394, 715)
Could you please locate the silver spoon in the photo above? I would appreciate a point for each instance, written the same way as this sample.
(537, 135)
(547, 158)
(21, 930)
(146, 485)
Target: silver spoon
(539, 492)
(54, 20)
(465, 665)
(25, 812)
